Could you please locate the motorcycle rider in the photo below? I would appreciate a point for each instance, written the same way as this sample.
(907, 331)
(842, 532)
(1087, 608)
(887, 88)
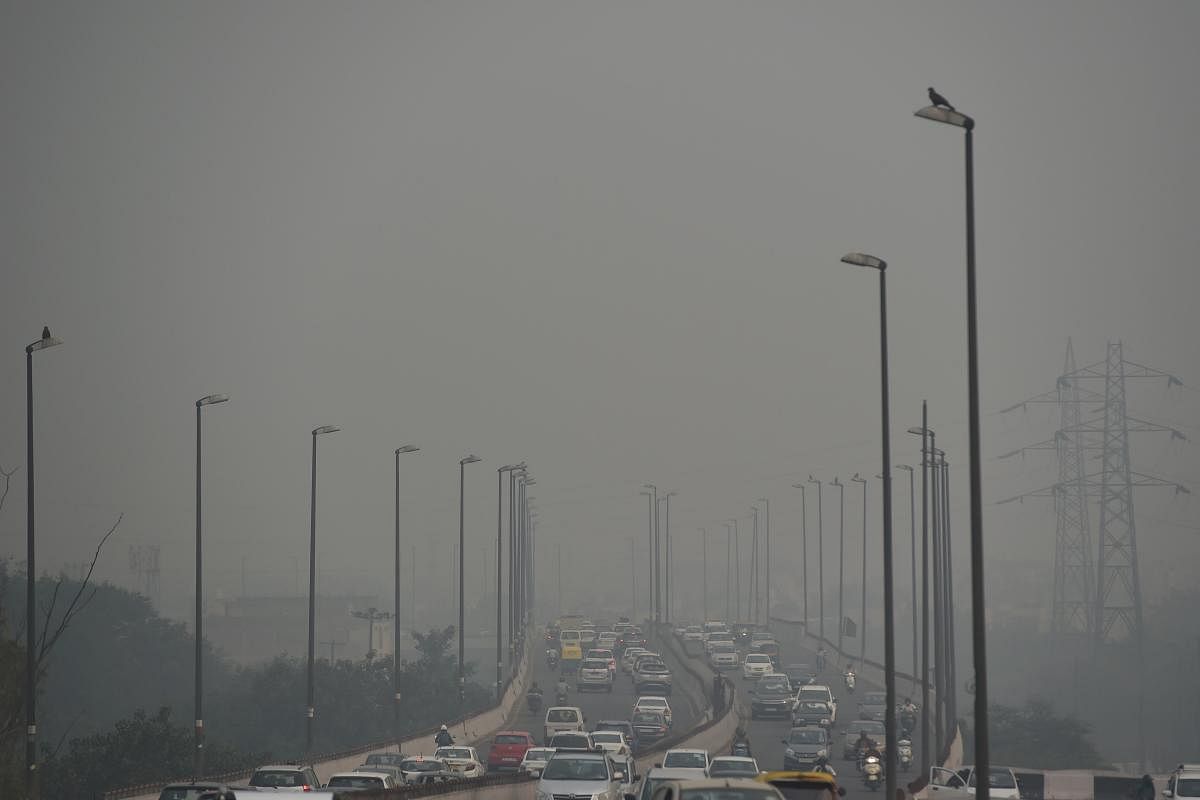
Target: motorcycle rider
(741, 742)
(443, 737)
(821, 658)
(849, 678)
(822, 765)
(560, 690)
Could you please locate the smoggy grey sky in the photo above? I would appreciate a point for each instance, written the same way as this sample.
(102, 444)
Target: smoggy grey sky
(601, 237)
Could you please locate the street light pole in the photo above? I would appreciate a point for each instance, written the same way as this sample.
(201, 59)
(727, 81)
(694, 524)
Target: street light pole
(728, 563)
(862, 629)
(653, 559)
(841, 560)
(408, 448)
(889, 621)
(752, 600)
(310, 709)
(667, 567)
(912, 521)
(803, 547)
(704, 574)
(821, 564)
(462, 465)
(500, 572)
(767, 540)
(32, 782)
(923, 432)
(949, 116)
(737, 572)
(198, 756)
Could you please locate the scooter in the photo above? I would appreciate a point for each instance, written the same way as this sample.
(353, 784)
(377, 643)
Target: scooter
(904, 755)
(560, 696)
(552, 659)
(534, 701)
(872, 773)
(849, 678)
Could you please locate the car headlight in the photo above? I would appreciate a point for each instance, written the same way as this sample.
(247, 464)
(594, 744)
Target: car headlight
(543, 795)
(825, 722)
(789, 753)
(821, 753)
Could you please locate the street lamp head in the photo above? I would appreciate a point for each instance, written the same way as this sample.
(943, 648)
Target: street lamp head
(835, 481)
(905, 467)
(919, 431)
(649, 486)
(946, 116)
(858, 479)
(670, 494)
(646, 494)
(212, 400)
(799, 486)
(47, 341)
(325, 429)
(811, 479)
(471, 459)
(408, 448)
(763, 500)
(864, 260)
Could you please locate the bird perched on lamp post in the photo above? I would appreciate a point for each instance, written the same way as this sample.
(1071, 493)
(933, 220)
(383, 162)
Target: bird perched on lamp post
(938, 100)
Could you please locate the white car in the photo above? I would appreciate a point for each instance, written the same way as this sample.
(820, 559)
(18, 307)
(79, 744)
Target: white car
(580, 774)
(463, 760)
(654, 703)
(693, 633)
(717, 636)
(723, 656)
(562, 718)
(356, 781)
(612, 742)
(630, 657)
(535, 760)
(818, 693)
(756, 665)
(733, 767)
(689, 759)
(948, 785)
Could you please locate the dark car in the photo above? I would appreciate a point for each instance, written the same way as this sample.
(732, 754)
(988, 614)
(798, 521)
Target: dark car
(799, 674)
(384, 759)
(420, 769)
(804, 746)
(770, 699)
(810, 712)
(873, 706)
(622, 725)
(649, 725)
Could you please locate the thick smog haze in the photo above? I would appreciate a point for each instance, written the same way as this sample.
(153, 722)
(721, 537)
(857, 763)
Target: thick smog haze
(602, 238)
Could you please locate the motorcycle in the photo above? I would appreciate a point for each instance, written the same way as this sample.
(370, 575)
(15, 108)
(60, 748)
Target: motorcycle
(560, 696)
(904, 755)
(534, 701)
(552, 659)
(872, 773)
(850, 680)
(740, 749)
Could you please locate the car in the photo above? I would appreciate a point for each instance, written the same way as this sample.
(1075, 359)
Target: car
(621, 726)
(614, 743)
(381, 759)
(755, 665)
(771, 698)
(687, 758)
(693, 633)
(291, 777)
(743, 632)
(655, 702)
(425, 769)
(650, 724)
(603, 654)
(652, 674)
(874, 730)
(960, 785)
(628, 769)
(822, 694)
(710, 789)
(717, 636)
(535, 760)
(584, 775)
(191, 791)
(607, 640)
(572, 740)
(390, 769)
(562, 718)
(733, 767)
(587, 637)
(657, 777)
(508, 750)
(361, 781)
(810, 712)
(630, 657)
(795, 785)
(1184, 782)
(803, 746)
(723, 656)
(462, 760)
(594, 674)
(799, 674)
(768, 648)
(873, 706)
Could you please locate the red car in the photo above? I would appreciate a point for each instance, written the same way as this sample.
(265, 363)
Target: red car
(508, 749)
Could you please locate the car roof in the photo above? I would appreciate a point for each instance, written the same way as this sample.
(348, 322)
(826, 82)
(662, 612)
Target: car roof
(283, 767)
(815, 687)
(513, 733)
(358, 774)
(667, 773)
(739, 759)
(796, 776)
(700, 750)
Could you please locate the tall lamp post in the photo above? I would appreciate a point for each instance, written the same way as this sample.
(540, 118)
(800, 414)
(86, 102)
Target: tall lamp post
(408, 448)
(820, 564)
(728, 568)
(198, 756)
(803, 547)
(923, 432)
(704, 573)
(310, 709)
(942, 112)
(667, 565)
(912, 523)
(841, 561)
(462, 469)
(862, 630)
(889, 622)
(500, 572)
(767, 540)
(653, 560)
(32, 784)
(737, 572)
(754, 597)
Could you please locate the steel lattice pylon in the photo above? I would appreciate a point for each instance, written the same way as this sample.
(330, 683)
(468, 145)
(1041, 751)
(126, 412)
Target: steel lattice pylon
(1074, 593)
(1119, 596)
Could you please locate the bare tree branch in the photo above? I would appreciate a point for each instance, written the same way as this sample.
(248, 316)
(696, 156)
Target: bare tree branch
(6, 475)
(78, 602)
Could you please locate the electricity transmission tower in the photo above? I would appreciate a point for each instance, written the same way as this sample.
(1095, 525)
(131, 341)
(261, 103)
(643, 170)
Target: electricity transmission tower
(143, 562)
(1101, 604)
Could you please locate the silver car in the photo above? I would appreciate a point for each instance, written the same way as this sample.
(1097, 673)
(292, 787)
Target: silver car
(571, 775)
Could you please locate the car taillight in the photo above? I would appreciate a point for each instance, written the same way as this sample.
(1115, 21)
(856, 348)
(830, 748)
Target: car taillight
(306, 788)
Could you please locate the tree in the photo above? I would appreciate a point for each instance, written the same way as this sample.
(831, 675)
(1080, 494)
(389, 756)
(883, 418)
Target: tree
(1036, 737)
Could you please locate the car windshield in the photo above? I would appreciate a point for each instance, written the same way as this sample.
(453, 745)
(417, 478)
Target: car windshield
(806, 737)
(820, 695)
(647, 718)
(413, 765)
(1186, 787)
(595, 663)
(652, 702)
(875, 699)
(729, 793)
(538, 753)
(510, 738)
(720, 768)
(562, 715)
(356, 782)
(453, 752)
(758, 658)
(570, 740)
(774, 682)
(186, 792)
(388, 758)
(613, 737)
(278, 778)
(813, 708)
(565, 768)
(685, 760)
